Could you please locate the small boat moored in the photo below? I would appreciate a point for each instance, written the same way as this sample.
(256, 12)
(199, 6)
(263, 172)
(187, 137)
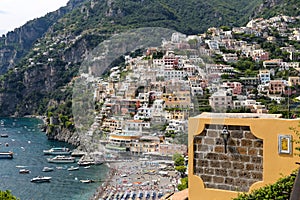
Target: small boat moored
(8, 154)
(58, 151)
(87, 181)
(4, 135)
(61, 159)
(41, 179)
(48, 169)
(24, 171)
(86, 163)
(72, 168)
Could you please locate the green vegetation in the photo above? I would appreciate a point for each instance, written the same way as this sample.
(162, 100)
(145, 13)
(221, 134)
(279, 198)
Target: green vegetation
(178, 159)
(181, 168)
(285, 7)
(279, 190)
(184, 184)
(6, 195)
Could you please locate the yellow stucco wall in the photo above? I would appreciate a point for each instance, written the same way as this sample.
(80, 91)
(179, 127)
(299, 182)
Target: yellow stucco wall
(274, 165)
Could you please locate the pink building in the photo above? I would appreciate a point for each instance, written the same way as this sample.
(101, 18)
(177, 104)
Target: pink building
(276, 87)
(236, 87)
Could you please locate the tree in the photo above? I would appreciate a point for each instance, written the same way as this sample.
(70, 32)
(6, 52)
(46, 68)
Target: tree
(178, 159)
(184, 184)
(225, 28)
(181, 169)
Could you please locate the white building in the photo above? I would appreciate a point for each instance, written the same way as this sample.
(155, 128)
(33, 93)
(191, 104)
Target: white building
(143, 113)
(174, 75)
(176, 126)
(137, 125)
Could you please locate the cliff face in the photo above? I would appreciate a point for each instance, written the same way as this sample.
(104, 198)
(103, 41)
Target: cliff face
(64, 135)
(27, 91)
(16, 44)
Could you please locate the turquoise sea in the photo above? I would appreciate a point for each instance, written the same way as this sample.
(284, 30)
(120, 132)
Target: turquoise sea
(28, 142)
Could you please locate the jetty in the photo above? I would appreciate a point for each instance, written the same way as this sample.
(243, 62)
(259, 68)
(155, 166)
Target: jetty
(7, 155)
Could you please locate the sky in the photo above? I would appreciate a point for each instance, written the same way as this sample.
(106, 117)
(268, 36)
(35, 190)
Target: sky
(15, 13)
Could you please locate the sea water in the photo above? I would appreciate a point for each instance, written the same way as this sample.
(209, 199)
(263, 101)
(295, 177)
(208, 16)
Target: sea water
(27, 143)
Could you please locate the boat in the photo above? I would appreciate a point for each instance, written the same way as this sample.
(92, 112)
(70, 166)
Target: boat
(8, 154)
(48, 169)
(72, 168)
(58, 151)
(61, 159)
(77, 153)
(86, 167)
(41, 179)
(4, 135)
(87, 181)
(86, 163)
(24, 171)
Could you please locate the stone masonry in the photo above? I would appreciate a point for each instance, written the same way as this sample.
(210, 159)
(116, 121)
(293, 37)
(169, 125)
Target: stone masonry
(236, 170)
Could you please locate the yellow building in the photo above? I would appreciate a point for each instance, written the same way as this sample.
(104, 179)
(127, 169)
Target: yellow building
(258, 151)
(145, 144)
(179, 99)
(121, 141)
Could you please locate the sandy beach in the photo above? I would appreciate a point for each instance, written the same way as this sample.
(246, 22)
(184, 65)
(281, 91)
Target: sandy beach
(138, 179)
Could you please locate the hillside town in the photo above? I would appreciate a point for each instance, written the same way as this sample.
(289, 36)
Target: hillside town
(143, 105)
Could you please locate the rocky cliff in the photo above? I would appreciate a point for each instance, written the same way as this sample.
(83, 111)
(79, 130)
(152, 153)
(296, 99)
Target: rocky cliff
(64, 135)
(16, 44)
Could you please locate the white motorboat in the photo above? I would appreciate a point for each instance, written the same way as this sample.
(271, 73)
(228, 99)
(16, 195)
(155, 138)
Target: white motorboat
(58, 151)
(41, 179)
(4, 135)
(24, 171)
(87, 181)
(86, 163)
(72, 168)
(48, 169)
(61, 159)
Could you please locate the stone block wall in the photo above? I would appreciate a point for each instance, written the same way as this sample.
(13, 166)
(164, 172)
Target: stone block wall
(236, 170)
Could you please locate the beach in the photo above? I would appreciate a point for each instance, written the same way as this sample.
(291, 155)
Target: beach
(138, 179)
